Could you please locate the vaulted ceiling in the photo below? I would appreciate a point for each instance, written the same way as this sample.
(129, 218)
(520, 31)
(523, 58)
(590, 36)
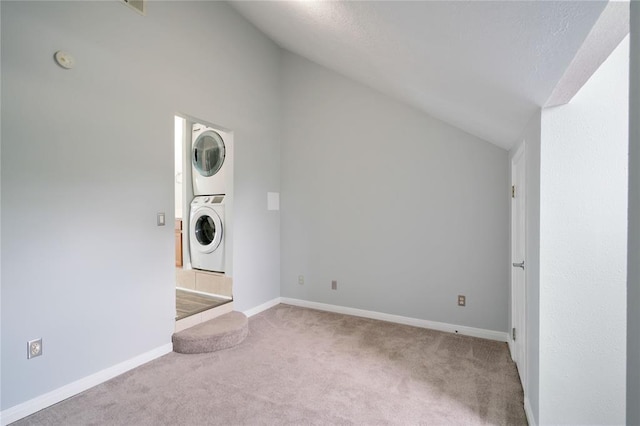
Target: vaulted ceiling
(482, 66)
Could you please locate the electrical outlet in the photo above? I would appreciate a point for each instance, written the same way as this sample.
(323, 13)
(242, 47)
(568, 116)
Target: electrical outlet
(334, 285)
(462, 300)
(34, 348)
(301, 279)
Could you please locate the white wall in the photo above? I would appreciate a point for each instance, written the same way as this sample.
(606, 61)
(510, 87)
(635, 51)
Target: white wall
(531, 137)
(583, 251)
(94, 280)
(178, 158)
(404, 211)
(633, 264)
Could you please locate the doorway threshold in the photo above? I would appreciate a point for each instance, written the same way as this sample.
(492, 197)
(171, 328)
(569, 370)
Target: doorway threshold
(194, 308)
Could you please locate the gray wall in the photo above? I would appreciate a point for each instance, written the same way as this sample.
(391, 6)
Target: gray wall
(87, 161)
(633, 287)
(531, 137)
(404, 211)
(583, 250)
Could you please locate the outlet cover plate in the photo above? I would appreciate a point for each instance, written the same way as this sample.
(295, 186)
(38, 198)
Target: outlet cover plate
(34, 348)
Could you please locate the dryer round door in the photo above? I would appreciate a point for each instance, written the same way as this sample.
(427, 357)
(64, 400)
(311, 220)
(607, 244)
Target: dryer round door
(206, 230)
(208, 153)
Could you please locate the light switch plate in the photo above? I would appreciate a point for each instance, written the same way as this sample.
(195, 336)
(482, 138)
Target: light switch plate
(273, 201)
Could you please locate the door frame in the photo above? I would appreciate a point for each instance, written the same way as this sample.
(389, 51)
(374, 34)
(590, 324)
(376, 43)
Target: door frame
(519, 316)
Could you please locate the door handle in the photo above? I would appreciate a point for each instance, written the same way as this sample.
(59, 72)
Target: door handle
(518, 265)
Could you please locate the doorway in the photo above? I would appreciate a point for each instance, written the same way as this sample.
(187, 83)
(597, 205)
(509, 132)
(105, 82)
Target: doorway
(517, 343)
(198, 291)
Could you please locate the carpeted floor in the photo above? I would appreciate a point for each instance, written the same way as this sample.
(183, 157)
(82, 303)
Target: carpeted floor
(301, 366)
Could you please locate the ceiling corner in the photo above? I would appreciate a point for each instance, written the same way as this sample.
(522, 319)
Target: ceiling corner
(609, 30)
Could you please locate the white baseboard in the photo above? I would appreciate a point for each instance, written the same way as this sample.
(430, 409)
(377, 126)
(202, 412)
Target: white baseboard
(529, 412)
(270, 304)
(24, 409)
(433, 325)
(511, 350)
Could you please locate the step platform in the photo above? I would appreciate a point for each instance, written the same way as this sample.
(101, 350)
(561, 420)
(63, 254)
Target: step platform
(220, 333)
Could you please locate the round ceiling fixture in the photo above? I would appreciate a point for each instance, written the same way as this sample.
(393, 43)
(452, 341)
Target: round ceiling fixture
(64, 59)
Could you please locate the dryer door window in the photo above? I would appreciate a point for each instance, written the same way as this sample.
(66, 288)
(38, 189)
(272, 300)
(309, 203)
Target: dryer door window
(208, 153)
(207, 230)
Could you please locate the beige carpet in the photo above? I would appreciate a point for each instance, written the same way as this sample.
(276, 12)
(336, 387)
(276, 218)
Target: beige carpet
(214, 335)
(300, 366)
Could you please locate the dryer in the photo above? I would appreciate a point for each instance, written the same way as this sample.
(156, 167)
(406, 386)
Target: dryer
(208, 165)
(206, 233)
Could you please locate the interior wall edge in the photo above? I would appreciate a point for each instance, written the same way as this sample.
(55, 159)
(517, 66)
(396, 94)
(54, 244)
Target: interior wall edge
(633, 254)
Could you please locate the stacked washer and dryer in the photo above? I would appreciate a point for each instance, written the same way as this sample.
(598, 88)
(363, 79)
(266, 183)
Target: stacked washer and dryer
(209, 176)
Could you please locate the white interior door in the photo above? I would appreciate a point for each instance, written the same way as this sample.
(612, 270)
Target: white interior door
(518, 244)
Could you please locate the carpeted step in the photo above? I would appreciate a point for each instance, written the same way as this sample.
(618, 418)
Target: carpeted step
(214, 335)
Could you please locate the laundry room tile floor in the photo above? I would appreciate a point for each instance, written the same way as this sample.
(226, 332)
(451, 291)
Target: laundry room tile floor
(188, 303)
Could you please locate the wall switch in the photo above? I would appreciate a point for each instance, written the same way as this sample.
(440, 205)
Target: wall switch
(334, 285)
(462, 300)
(34, 348)
(160, 219)
(301, 279)
(273, 201)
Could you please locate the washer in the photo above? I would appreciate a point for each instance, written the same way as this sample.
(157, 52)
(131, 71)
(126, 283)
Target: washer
(206, 233)
(208, 165)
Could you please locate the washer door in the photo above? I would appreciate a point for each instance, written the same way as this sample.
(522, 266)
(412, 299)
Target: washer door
(208, 153)
(206, 230)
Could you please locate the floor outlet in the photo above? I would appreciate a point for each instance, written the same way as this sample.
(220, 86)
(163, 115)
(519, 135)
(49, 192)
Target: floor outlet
(34, 348)
(301, 279)
(462, 300)
(334, 285)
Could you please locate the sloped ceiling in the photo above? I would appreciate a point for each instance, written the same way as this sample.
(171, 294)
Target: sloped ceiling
(481, 66)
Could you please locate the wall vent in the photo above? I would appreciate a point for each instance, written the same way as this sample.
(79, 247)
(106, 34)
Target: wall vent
(137, 5)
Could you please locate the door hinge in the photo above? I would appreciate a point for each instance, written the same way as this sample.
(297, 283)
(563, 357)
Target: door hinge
(513, 191)
(513, 334)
